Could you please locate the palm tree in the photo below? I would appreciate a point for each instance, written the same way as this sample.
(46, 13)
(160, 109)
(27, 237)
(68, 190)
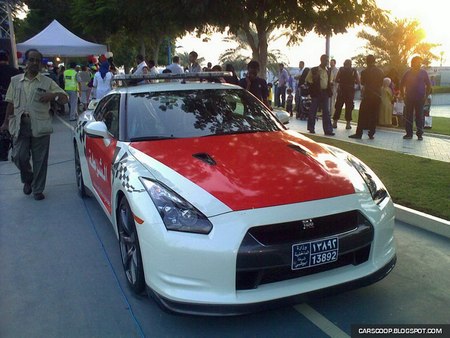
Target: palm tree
(242, 54)
(239, 62)
(394, 42)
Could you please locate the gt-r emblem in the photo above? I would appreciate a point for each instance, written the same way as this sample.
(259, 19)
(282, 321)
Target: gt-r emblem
(308, 224)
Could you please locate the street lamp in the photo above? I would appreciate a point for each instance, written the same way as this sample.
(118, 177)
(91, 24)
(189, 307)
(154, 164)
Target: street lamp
(327, 44)
(169, 52)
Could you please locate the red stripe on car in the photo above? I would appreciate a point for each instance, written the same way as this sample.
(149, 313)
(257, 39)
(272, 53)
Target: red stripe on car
(254, 170)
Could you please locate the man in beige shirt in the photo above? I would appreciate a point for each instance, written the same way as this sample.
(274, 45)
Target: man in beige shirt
(30, 123)
(319, 81)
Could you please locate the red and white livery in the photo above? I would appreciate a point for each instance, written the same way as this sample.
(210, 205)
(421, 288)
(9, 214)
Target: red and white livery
(219, 209)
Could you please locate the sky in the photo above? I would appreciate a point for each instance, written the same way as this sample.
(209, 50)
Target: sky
(432, 15)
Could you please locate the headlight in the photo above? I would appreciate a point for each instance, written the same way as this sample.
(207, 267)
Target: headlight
(376, 187)
(176, 213)
(373, 183)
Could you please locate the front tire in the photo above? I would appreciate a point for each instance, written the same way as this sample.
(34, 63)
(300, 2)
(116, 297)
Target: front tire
(79, 174)
(130, 251)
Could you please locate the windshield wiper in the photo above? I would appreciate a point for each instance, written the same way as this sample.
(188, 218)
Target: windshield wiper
(220, 133)
(151, 138)
(248, 131)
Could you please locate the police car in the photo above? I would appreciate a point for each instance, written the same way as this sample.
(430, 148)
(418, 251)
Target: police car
(218, 208)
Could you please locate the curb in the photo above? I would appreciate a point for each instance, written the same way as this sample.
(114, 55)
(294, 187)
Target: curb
(422, 220)
(426, 132)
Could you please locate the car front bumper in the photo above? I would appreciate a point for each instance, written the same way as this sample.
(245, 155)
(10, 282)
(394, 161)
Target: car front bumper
(239, 309)
(197, 274)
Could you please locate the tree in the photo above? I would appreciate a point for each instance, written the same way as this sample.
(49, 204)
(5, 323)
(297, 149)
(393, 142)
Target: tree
(297, 17)
(394, 42)
(236, 56)
(148, 24)
(98, 19)
(128, 28)
(145, 26)
(40, 14)
(15, 6)
(124, 48)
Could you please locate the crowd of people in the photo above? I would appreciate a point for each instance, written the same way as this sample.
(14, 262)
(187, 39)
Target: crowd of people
(82, 83)
(27, 98)
(148, 67)
(327, 89)
(324, 88)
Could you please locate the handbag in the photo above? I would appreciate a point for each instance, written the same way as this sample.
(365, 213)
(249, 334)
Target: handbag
(399, 106)
(5, 144)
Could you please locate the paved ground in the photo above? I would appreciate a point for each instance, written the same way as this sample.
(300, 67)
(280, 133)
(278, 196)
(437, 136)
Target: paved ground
(436, 147)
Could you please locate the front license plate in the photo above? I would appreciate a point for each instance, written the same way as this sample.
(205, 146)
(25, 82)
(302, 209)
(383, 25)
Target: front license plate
(323, 251)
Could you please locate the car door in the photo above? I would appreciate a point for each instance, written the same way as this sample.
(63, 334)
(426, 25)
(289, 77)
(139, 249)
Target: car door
(100, 151)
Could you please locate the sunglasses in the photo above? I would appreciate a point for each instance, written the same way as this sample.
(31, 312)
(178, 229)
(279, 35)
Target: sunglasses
(34, 60)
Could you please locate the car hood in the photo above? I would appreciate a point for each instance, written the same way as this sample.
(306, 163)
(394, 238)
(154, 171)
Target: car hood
(255, 170)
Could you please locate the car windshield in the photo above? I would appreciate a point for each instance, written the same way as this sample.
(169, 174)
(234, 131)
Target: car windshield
(196, 113)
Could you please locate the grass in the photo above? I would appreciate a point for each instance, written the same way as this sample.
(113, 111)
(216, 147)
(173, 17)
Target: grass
(441, 125)
(441, 89)
(418, 183)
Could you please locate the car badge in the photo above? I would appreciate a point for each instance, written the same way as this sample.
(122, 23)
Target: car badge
(308, 224)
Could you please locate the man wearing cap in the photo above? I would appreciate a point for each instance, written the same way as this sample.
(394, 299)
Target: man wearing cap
(30, 123)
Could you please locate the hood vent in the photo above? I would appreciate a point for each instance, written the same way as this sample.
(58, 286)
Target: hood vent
(205, 158)
(299, 149)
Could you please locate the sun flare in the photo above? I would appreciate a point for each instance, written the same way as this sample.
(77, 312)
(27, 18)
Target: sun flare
(431, 17)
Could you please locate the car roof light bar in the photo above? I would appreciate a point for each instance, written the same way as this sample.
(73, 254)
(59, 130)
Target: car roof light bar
(170, 76)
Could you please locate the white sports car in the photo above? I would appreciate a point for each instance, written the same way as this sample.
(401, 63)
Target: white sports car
(219, 209)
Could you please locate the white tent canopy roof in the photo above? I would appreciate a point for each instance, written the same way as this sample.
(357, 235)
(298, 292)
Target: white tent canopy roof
(56, 40)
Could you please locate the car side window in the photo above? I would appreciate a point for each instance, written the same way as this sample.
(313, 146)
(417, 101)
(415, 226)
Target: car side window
(108, 112)
(99, 109)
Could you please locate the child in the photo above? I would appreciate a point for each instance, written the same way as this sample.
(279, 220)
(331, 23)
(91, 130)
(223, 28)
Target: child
(289, 101)
(426, 112)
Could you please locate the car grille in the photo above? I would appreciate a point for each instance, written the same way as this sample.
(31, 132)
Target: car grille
(265, 254)
(296, 231)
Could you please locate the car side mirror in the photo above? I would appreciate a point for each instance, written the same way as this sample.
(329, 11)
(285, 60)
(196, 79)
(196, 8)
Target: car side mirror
(98, 129)
(93, 104)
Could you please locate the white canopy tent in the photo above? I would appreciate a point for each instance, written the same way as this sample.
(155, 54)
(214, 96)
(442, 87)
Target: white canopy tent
(56, 40)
